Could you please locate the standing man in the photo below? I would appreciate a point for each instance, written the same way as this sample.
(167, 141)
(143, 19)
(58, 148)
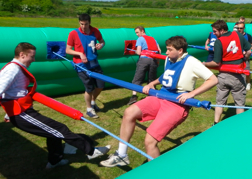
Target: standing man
(228, 49)
(181, 73)
(241, 19)
(16, 100)
(83, 40)
(240, 28)
(210, 44)
(145, 63)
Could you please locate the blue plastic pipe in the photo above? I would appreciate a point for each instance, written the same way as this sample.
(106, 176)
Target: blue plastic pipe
(203, 48)
(111, 134)
(158, 93)
(226, 106)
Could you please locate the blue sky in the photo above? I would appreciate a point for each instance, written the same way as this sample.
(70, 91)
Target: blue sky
(237, 1)
(229, 1)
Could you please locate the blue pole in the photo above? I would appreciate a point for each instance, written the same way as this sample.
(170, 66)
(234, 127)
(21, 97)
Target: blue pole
(158, 93)
(109, 133)
(203, 48)
(226, 106)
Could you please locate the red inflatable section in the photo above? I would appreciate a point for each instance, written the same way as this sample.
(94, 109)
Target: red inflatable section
(57, 106)
(130, 44)
(153, 55)
(232, 68)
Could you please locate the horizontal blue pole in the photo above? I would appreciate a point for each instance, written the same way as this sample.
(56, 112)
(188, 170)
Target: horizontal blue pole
(200, 47)
(203, 48)
(227, 106)
(158, 93)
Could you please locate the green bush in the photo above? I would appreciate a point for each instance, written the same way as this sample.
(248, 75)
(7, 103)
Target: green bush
(96, 11)
(11, 5)
(245, 13)
(84, 9)
(89, 10)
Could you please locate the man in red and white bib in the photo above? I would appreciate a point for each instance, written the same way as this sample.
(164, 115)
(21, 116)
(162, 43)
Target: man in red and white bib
(145, 64)
(231, 48)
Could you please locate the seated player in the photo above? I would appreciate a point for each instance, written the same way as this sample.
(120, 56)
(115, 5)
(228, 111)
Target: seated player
(181, 73)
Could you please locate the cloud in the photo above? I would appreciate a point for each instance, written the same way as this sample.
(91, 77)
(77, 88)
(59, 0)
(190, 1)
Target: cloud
(237, 2)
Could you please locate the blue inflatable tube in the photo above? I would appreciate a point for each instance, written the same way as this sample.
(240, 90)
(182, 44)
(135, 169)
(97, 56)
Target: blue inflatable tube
(158, 93)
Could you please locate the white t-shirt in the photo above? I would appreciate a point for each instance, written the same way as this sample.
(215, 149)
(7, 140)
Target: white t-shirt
(193, 69)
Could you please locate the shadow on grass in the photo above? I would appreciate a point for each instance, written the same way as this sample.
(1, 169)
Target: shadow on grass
(22, 159)
(175, 141)
(230, 111)
(115, 103)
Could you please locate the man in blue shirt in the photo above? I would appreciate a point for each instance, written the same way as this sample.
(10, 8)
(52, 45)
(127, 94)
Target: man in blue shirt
(145, 63)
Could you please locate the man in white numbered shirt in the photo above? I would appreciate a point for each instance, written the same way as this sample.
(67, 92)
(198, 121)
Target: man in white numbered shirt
(228, 49)
(181, 73)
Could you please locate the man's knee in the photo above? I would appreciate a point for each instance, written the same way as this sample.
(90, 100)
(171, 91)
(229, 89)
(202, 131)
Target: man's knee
(150, 142)
(132, 113)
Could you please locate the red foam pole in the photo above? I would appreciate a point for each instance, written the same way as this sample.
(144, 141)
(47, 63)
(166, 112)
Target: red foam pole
(57, 106)
(153, 54)
(229, 68)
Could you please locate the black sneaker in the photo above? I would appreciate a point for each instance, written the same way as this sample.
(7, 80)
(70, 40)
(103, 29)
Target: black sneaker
(132, 100)
(96, 108)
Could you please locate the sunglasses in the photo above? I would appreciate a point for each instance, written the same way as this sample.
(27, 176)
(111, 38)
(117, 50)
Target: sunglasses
(239, 28)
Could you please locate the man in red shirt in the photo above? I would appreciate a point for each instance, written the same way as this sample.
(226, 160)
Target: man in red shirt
(82, 45)
(229, 49)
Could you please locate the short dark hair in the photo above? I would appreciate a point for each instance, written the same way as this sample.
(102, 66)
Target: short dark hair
(23, 47)
(84, 17)
(243, 18)
(177, 42)
(219, 25)
(141, 28)
(241, 23)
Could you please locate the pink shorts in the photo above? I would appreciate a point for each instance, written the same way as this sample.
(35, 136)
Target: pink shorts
(166, 115)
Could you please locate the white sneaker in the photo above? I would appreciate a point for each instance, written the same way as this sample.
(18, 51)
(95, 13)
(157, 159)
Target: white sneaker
(99, 151)
(115, 160)
(248, 87)
(92, 114)
(60, 163)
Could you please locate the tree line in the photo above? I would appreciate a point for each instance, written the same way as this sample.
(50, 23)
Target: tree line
(71, 8)
(208, 5)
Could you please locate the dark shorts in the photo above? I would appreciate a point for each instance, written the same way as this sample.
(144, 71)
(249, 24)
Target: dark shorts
(210, 57)
(91, 83)
(145, 65)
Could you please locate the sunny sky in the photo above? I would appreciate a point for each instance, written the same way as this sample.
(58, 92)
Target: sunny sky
(237, 1)
(229, 1)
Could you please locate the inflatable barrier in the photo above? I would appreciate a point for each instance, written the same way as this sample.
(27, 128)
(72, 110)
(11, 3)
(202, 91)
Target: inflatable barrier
(221, 152)
(57, 77)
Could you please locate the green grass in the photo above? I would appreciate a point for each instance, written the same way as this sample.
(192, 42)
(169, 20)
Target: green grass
(148, 11)
(24, 156)
(100, 22)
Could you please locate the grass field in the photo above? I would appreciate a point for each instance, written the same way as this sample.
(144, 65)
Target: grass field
(24, 156)
(99, 22)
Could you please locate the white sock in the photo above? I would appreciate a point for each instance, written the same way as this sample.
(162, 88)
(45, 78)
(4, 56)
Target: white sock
(89, 109)
(122, 149)
(92, 102)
